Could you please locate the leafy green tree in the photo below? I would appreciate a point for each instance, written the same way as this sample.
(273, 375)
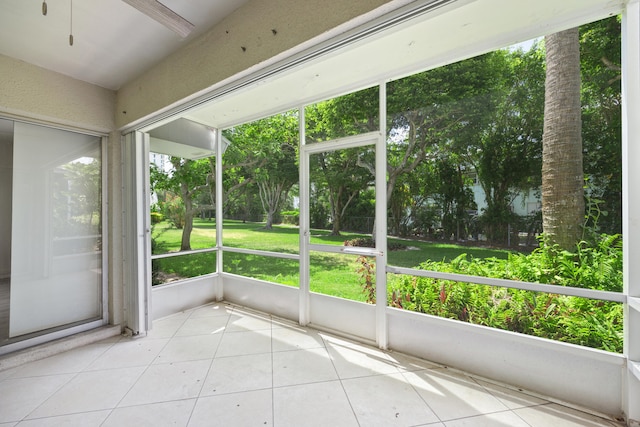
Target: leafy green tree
(429, 110)
(600, 52)
(188, 179)
(338, 173)
(506, 154)
(267, 154)
(453, 196)
(341, 175)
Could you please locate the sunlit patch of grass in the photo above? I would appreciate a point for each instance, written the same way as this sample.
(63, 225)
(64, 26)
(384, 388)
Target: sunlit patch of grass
(331, 274)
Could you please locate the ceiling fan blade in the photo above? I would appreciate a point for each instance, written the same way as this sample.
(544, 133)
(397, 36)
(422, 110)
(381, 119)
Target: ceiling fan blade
(161, 13)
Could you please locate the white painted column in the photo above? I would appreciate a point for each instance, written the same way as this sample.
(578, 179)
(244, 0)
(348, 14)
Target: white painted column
(631, 205)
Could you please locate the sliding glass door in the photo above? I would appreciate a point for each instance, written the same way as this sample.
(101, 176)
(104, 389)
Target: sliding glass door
(51, 262)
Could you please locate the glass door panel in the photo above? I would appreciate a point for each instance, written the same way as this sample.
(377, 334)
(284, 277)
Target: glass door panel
(56, 229)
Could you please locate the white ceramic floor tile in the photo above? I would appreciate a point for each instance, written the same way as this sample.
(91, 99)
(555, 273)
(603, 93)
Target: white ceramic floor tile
(240, 322)
(19, 397)
(226, 365)
(408, 363)
(302, 367)
(511, 398)
(167, 327)
(295, 338)
(560, 416)
(209, 325)
(239, 373)
(387, 400)
(310, 405)
(251, 408)
(7, 373)
(181, 349)
(451, 395)
(170, 381)
(278, 322)
(497, 419)
(89, 391)
(69, 362)
(243, 343)
(84, 419)
(129, 353)
(216, 309)
(174, 413)
(353, 360)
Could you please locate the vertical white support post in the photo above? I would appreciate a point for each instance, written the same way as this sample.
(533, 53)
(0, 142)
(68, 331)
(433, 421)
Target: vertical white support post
(219, 215)
(144, 221)
(106, 237)
(304, 227)
(137, 233)
(381, 223)
(631, 205)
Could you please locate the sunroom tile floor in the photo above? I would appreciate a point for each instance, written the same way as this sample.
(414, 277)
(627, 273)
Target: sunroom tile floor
(223, 365)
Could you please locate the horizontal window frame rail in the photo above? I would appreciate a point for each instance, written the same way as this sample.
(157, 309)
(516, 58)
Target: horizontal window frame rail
(181, 253)
(514, 284)
(354, 141)
(347, 250)
(261, 253)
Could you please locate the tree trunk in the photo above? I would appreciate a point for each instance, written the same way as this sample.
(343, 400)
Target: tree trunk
(562, 174)
(335, 229)
(185, 244)
(269, 223)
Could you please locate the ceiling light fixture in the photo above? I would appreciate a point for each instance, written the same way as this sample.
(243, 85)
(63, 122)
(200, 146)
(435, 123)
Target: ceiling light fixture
(71, 23)
(162, 14)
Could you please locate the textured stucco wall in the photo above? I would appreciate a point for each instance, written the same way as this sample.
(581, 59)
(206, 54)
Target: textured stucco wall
(243, 40)
(43, 95)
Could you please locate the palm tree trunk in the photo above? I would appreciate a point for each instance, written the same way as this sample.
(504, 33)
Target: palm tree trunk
(562, 174)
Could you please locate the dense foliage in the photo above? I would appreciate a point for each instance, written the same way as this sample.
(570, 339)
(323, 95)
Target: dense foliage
(591, 323)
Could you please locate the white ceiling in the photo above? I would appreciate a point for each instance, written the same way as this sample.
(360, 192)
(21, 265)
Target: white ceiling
(113, 42)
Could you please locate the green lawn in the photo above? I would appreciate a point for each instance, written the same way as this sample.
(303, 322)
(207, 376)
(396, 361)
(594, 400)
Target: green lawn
(332, 274)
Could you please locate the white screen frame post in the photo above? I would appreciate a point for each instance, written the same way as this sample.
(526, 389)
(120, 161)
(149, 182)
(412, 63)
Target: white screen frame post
(631, 205)
(136, 233)
(382, 338)
(304, 226)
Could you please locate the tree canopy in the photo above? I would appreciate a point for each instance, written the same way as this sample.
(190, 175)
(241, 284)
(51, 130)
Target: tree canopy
(464, 148)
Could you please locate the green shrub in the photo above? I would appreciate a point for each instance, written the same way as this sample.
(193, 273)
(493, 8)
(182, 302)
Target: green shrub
(290, 217)
(592, 323)
(367, 242)
(156, 217)
(174, 211)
